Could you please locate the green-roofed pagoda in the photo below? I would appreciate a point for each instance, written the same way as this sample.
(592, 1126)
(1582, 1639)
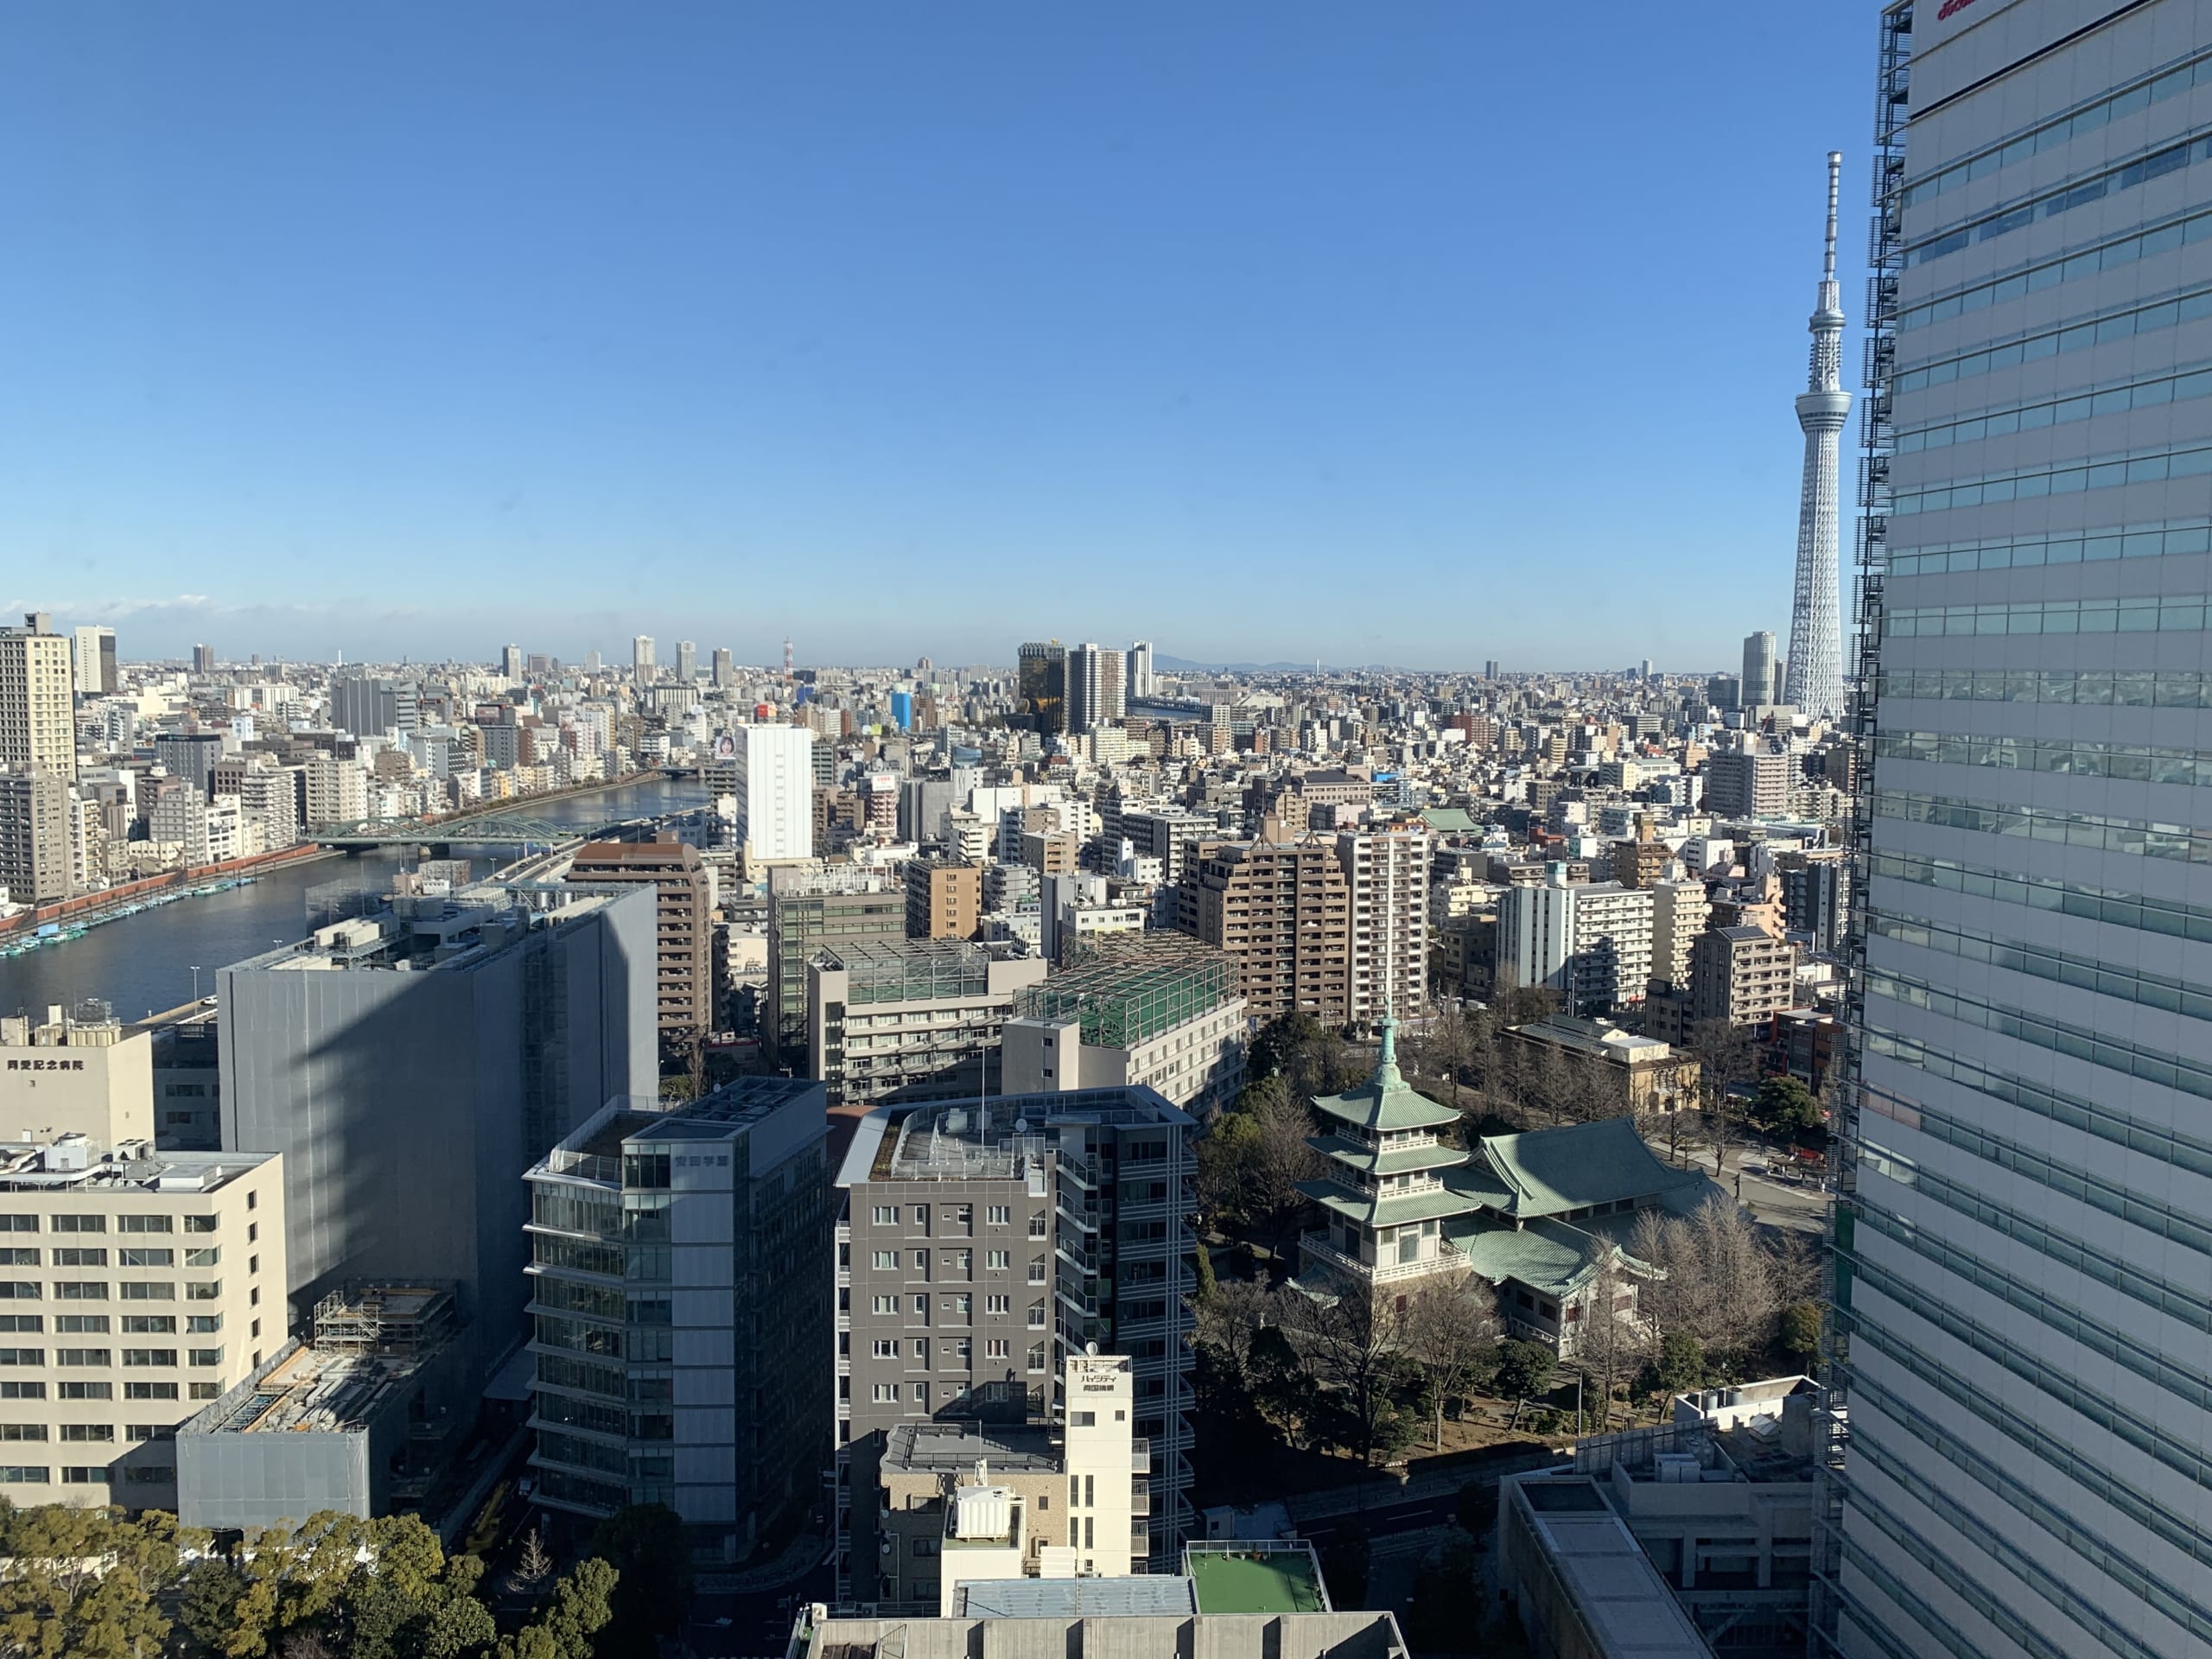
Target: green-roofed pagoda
(1535, 1215)
(1385, 1193)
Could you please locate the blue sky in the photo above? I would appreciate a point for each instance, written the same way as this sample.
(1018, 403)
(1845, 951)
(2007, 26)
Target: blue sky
(1405, 333)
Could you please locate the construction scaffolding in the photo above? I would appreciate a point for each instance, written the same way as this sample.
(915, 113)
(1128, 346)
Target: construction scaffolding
(380, 1318)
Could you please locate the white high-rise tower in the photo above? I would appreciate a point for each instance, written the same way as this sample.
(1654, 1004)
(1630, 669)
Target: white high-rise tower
(1815, 668)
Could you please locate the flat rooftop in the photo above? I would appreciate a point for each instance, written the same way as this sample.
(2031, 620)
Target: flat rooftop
(953, 1448)
(1618, 1593)
(310, 1391)
(1256, 1579)
(134, 1170)
(1139, 1595)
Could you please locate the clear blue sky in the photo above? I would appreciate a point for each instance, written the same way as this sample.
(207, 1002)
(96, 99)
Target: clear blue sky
(1409, 333)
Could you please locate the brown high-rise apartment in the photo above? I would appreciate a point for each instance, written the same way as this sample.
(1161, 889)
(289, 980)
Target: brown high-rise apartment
(685, 999)
(1283, 909)
(1742, 974)
(945, 901)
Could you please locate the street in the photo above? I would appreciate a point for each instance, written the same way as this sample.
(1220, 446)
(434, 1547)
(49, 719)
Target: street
(1800, 1207)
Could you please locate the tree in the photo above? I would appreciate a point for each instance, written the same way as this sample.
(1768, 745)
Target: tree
(1785, 1106)
(1607, 1344)
(1228, 1322)
(1204, 1284)
(646, 1546)
(1346, 1338)
(1716, 1280)
(1451, 1326)
(82, 1584)
(1677, 1368)
(1524, 1370)
(535, 1561)
(1801, 1330)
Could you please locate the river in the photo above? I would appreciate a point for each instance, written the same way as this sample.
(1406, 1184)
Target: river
(143, 964)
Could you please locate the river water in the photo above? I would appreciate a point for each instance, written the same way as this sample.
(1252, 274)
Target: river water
(143, 964)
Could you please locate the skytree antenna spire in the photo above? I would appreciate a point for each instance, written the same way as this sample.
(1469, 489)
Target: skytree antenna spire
(1814, 682)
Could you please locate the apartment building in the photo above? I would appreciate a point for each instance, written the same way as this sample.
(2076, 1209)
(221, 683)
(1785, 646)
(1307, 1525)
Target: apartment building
(1387, 871)
(38, 729)
(809, 909)
(1742, 974)
(683, 923)
(909, 1019)
(944, 899)
(36, 859)
(1679, 913)
(1159, 1010)
(981, 1245)
(679, 1292)
(1750, 783)
(1590, 942)
(1283, 910)
(141, 1285)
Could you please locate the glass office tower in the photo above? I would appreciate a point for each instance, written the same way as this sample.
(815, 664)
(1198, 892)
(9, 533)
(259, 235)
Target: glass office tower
(2022, 1350)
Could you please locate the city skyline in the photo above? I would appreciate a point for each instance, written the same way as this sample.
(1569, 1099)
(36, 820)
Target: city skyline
(1254, 330)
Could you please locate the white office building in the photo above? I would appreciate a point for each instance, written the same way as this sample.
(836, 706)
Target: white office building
(2024, 1245)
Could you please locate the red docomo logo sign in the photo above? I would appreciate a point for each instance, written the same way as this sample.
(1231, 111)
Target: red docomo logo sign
(1951, 8)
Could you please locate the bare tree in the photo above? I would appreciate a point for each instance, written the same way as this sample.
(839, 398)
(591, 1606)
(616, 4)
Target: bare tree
(1794, 1260)
(1229, 1321)
(1600, 1091)
(1346, 1337)
(1609, 1343)
(1449, 1329)
(1719, 1283)
(534, 1561)
(1552, 1080)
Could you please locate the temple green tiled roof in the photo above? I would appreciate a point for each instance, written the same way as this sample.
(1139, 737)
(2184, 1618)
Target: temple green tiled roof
(1393, 1209)
(1398, 1160)
(1448, 820)
(1386, 1101)
(1550, 1172)
(1545, 1255)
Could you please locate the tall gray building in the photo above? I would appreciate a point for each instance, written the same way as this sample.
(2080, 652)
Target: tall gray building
(979, 1246)
(1761, 682)
(699, 1376)
(2022, 1329)
(412, 1064)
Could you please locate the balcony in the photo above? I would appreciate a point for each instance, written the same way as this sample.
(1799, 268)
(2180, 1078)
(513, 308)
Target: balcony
(1318, 1245)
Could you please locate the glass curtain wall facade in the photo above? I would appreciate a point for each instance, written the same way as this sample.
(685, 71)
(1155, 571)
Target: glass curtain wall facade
(2021, 1343)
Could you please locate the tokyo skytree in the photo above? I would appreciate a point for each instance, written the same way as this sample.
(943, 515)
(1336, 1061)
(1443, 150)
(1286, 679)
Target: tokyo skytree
(1815, 677)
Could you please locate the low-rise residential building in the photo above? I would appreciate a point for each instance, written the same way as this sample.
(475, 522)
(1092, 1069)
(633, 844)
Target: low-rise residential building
(1159, 1010)
(680, 1293)
(140, 1285)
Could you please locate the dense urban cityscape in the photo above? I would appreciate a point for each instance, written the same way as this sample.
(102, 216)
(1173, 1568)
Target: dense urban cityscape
(1092, 1153)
